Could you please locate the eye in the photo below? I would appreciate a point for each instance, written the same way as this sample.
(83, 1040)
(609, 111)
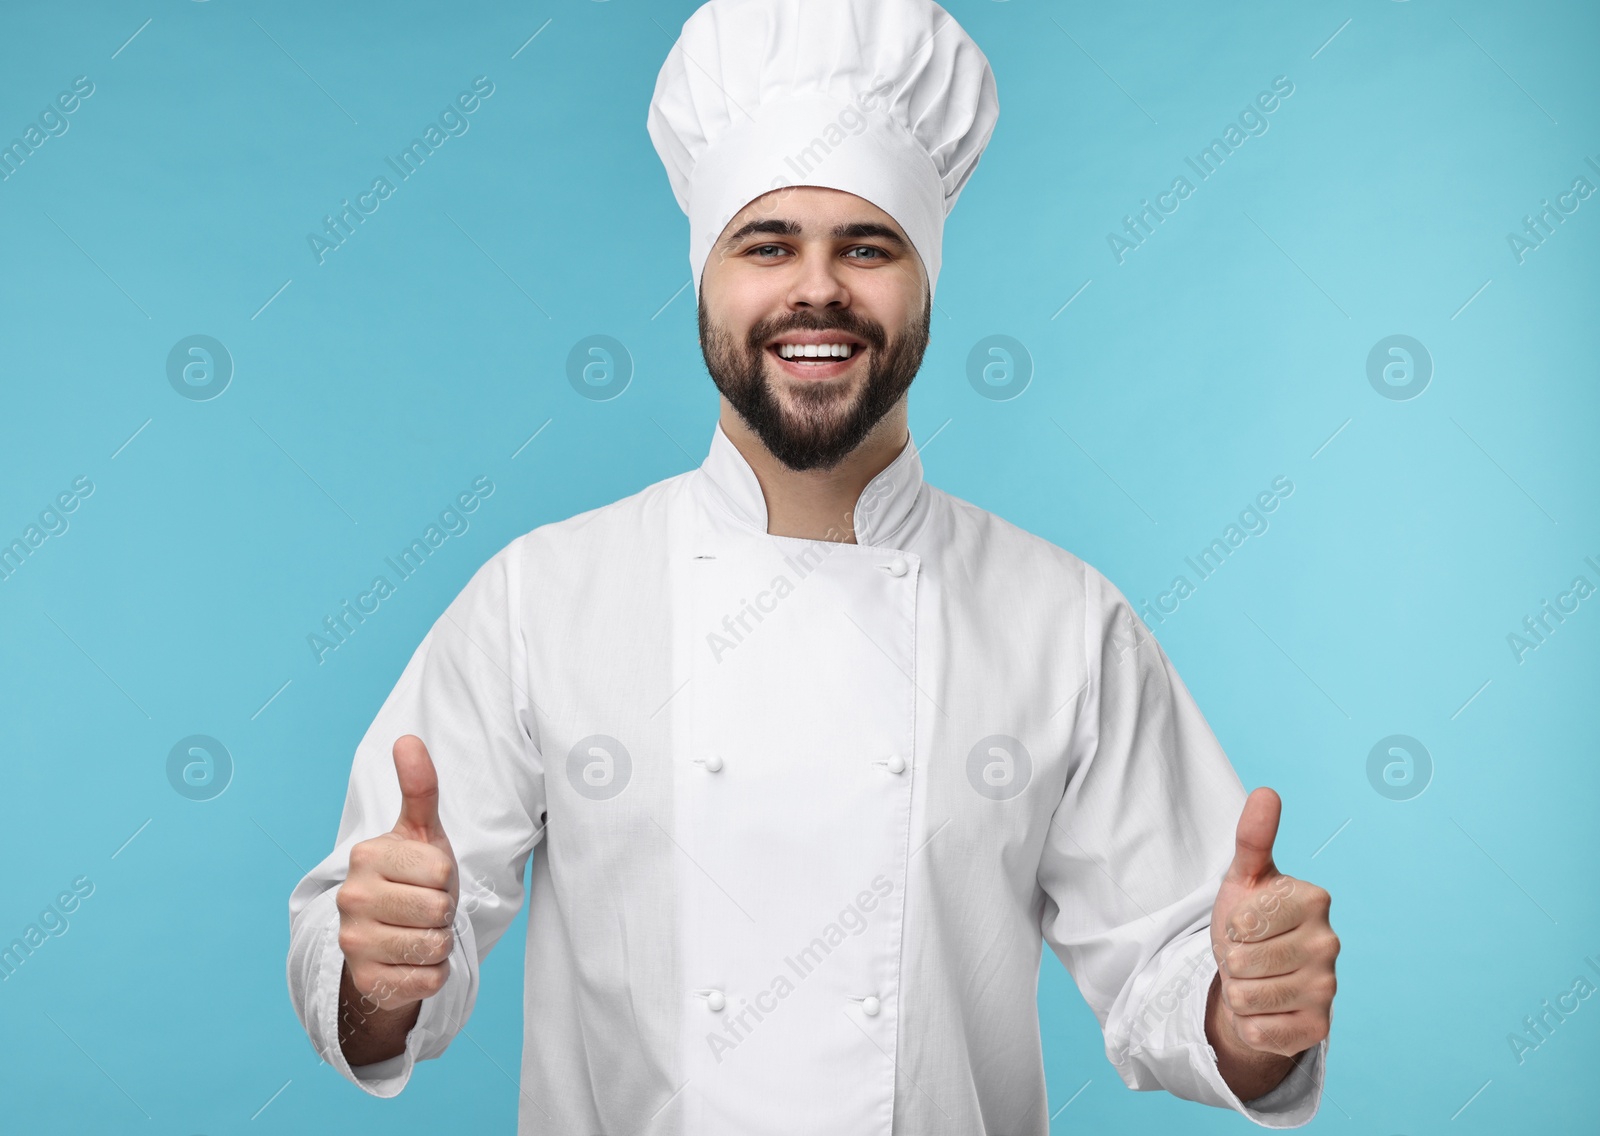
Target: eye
(764, 250)
(878, 253)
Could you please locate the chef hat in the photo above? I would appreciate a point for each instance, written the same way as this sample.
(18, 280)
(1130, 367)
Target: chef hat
(887, 99)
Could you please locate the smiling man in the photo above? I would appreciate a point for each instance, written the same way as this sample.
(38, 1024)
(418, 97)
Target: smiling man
(816, 758)
(821, 322)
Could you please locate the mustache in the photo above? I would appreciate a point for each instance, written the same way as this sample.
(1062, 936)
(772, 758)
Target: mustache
(868, 331)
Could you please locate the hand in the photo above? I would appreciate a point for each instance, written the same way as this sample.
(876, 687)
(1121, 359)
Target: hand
(1274, 947)
(399, 897)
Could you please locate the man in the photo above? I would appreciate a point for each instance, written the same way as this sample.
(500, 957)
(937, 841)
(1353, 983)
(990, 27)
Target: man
(818, 755)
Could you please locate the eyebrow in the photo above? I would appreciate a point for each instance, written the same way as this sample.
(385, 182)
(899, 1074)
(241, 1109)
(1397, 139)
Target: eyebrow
(849, 231)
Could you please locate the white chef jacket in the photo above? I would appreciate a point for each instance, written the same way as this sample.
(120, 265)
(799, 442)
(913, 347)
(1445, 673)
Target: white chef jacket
(807, 810)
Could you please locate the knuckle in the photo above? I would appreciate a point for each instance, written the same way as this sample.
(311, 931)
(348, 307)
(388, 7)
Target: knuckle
(348, 900)
(1235, 961)
(1265, 1037)
(435, 909)
(1242, 961)
(363, 978)
(438, 865)
(429, 909)
(429, 980)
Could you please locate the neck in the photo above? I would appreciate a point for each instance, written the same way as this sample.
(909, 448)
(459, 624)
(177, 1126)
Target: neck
(817, 504)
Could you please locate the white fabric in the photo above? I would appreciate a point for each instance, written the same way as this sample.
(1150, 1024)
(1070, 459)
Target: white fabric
(887, 99)
(842, 847)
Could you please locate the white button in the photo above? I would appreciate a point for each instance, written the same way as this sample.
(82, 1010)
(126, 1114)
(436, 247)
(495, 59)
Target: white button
(870, 1006)
(896, 763)
(715, 1001)
(713, 763)
(897, 566)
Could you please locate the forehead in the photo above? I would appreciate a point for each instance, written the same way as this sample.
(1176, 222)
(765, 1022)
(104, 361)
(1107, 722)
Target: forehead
(815, 209)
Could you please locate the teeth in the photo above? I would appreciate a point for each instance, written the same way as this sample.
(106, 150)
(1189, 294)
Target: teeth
(815, 350)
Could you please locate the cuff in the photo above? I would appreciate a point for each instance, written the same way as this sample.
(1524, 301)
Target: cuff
(437, 1024)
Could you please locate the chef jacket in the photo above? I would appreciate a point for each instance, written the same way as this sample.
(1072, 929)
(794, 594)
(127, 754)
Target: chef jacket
(806, 810)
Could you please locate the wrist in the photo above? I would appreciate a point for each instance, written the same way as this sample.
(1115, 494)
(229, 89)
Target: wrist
(368, 1034)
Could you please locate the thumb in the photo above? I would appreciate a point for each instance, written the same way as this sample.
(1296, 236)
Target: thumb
(419, 790)
(1258, 828)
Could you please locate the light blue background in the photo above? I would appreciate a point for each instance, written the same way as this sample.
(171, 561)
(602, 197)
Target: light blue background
(374, 387)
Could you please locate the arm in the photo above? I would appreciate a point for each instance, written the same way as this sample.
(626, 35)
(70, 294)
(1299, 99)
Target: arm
(465, 692)
(1131, 868)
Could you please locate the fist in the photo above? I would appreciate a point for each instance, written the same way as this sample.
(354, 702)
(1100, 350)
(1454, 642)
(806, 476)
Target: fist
(1274, 946)
(399, 896)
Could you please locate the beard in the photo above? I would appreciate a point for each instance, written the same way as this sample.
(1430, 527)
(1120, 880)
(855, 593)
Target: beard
(827, 419)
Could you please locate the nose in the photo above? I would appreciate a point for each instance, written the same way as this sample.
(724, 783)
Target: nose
(818, 283)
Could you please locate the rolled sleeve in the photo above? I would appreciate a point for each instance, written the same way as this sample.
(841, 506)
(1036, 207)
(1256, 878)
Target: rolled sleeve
(1175, 1054)
(316, 963)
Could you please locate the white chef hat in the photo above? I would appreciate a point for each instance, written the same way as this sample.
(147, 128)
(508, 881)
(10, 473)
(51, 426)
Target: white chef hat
(887, 99)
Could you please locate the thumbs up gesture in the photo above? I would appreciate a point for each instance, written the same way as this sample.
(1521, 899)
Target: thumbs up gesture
(399, 897)
(1275, 952)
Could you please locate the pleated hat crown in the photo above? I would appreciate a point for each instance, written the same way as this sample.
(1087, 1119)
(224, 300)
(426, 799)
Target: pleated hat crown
(890, 100)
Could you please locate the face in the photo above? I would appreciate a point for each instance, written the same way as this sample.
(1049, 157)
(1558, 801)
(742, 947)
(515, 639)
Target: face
(807, 265)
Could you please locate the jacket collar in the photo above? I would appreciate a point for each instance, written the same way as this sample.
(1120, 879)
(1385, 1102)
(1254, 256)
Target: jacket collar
(881, 510)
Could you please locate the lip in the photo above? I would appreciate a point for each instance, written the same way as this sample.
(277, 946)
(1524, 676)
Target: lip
(815, 372)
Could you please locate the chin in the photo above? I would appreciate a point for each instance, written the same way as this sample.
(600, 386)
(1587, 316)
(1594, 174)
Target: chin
(842, 391)
(804, 398)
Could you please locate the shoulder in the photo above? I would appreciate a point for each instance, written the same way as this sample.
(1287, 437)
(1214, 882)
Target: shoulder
(583, 542)
(990, 555)
(623, 519)
(589, 544)
(979, 536)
